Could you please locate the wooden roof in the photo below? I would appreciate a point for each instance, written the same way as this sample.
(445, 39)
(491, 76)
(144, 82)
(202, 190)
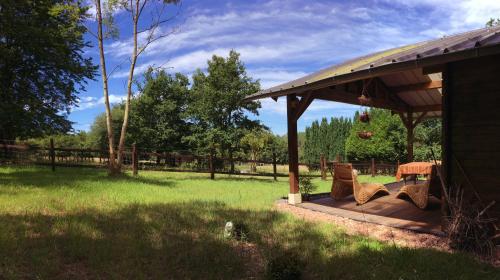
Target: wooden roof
(402, 79)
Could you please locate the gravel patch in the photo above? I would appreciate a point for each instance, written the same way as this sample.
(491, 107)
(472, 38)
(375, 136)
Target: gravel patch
(400, 237)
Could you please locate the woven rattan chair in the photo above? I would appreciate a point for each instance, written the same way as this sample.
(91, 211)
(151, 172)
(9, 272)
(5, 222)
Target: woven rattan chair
(345, 183)
(419, 193)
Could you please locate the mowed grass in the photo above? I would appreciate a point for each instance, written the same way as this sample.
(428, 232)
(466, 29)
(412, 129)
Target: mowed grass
(81, 224)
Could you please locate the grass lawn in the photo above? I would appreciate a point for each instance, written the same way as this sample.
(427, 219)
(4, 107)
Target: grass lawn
(80, 224)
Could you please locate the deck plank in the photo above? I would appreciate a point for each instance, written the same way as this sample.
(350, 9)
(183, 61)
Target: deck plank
(385, 210)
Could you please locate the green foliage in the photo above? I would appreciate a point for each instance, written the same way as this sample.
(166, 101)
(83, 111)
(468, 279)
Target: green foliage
(79, 140)
(387, 143)
(217, 109)
(158, 113)
(427, 137)
(493, 22)
(256, 140)
(42, 67)
(306, 186)
(277, 145)
(98, 135)
(326, 139)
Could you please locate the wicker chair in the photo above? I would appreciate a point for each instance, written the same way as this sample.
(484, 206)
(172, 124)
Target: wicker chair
(419, 193)
(345, 183)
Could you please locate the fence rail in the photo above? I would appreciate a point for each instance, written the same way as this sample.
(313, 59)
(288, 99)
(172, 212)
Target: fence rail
(136, 159)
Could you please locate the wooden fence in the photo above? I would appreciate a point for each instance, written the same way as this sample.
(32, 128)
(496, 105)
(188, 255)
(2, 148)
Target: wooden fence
(136, 159)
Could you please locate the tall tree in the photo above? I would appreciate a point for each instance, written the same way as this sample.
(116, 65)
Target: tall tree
(158, 113)
(151, 32)
(388, 140)
(217, 107)
(42, 65)
(98, 135)
(256, 141)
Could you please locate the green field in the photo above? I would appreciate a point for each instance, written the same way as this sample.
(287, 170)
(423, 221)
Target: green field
(80, 224)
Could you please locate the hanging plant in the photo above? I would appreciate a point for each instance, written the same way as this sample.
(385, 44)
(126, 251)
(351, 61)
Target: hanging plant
(364, 100)
(365, 134)
(364, 117)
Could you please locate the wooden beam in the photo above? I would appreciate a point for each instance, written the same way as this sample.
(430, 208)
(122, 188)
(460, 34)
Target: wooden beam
(343, 96)
(428, 108)
(293, 154)
(403, 119)
(419, 86)
(419, 119)
(391, 95)
(304, 102)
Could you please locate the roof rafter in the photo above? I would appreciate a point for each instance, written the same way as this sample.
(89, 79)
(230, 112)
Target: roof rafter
(419, 86)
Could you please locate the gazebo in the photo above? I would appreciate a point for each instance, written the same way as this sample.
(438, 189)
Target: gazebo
(455, 78)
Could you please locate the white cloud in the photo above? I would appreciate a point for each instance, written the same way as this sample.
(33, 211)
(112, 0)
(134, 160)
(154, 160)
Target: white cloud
(280, 41)
(281, 35)
(88, 102)
(455, 15)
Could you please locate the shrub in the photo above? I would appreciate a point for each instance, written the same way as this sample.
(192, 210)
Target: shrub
(306, 187)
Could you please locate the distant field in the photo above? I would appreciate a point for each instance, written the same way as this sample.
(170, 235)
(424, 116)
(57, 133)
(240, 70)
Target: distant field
(81, 224)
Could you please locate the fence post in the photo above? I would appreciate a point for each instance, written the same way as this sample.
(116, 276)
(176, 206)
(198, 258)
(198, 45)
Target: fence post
(322, 167)
(338, 158)
(211, 165)
(52, 154)
(373, 168)
(134, 159)
(274, 166)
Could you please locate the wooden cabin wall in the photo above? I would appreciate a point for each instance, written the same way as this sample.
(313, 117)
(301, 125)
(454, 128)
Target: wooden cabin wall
(471, 119)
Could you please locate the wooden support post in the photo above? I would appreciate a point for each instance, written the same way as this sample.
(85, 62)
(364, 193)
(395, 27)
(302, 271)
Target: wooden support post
(293, 154)
(373, 168)
(322, 167)
(211, 166)
(52, 154)
(134, 160)
(338, 158)
(274, 167)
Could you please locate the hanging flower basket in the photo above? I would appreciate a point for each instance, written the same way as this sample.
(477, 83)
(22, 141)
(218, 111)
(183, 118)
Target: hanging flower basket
(364, 117)
(365, 134)
(364, 100)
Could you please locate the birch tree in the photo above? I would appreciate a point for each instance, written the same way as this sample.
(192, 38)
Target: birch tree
(145, 31)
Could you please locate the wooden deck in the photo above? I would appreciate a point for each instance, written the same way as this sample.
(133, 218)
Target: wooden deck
(385, 210)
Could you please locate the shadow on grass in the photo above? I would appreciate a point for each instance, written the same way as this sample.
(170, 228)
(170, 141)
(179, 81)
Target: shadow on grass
(184, 240)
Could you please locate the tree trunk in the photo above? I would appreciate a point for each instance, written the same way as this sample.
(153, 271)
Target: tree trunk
(254, 163)
(112, 165)
(231, 161)
(121, 144)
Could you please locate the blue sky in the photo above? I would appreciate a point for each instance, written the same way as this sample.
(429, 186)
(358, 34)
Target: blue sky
(280, 41)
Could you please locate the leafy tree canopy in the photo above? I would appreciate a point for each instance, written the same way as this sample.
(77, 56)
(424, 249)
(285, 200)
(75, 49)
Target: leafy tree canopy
(387, 143)
(42, 66)
(158, 114)
(493, 22)
(217, 109)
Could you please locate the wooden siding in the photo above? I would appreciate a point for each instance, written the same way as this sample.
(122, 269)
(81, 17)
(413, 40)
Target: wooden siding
(473, 124)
